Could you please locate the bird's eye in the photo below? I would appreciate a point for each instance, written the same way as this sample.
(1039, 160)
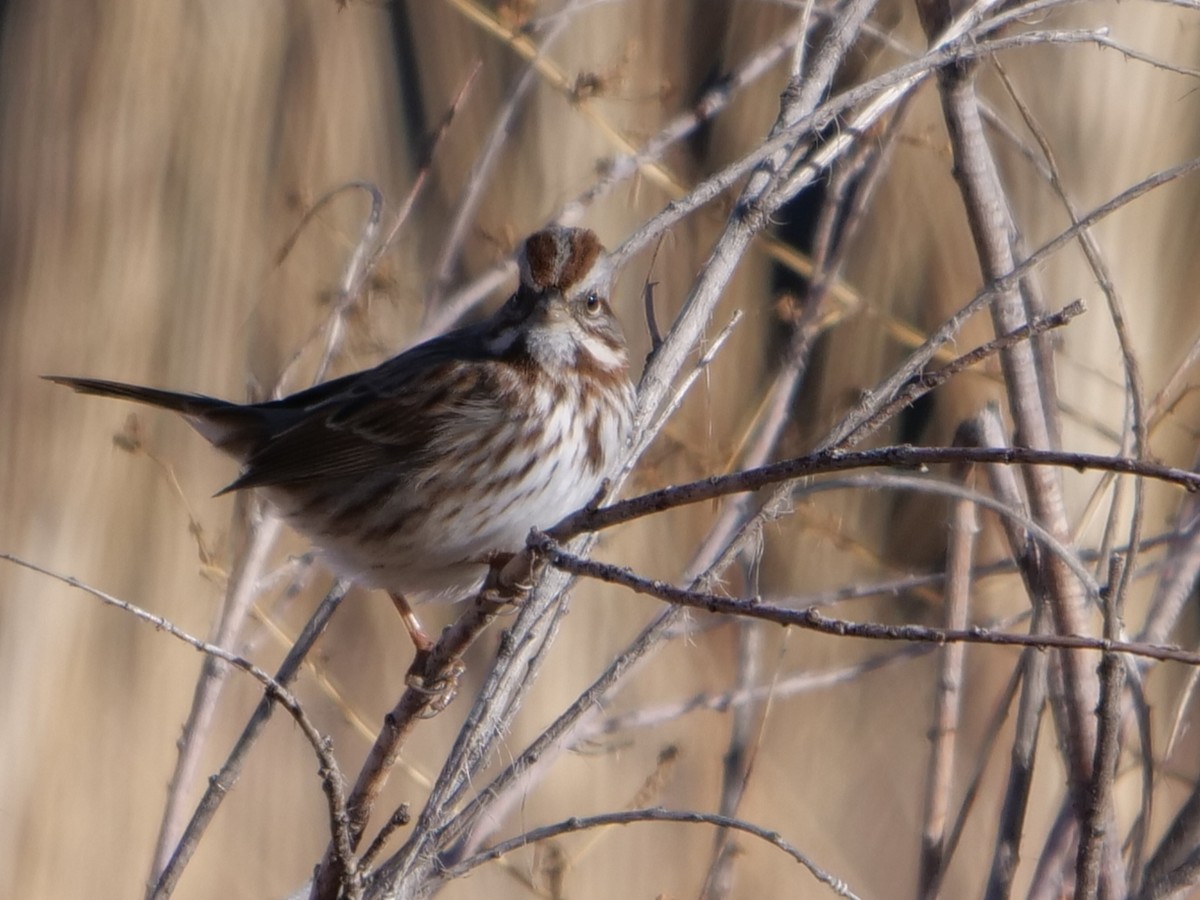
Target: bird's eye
(592, 303)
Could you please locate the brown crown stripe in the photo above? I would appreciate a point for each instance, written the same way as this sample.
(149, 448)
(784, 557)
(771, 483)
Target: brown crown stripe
(557, 257)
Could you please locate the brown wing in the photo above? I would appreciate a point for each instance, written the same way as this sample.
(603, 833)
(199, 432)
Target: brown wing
(382, 418)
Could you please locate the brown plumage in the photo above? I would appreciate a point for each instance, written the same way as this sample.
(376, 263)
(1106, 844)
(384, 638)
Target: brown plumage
(410, 474)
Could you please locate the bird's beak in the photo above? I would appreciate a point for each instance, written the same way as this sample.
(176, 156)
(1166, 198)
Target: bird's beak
(550, 308)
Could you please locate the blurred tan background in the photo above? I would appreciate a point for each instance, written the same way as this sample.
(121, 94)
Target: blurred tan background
(154, 159)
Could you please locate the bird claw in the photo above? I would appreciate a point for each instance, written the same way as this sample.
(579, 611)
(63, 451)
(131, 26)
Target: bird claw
(511, 576)
(441, 688)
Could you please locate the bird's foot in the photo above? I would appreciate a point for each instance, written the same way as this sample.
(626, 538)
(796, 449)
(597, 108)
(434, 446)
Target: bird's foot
(441, 687)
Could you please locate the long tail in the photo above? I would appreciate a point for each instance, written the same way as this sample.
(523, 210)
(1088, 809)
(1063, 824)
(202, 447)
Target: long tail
(235, 429)
(185, 404)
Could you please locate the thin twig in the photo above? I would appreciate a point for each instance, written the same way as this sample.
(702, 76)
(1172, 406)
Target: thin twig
(623, 167)
(922, 384)
(415, 856)
(453, 830)
(1034, 686)
(884, 92)
(240, 593)
(644, 440)
(633, 816)
(683, 336)
(656, 338)
(275, 690)
(1179, 574)
(990, 743)
(243, 587)
(1134, 443)
(920, 358)
(933, 581)
(349, 291)
(396, 820)
(1098, 816)
(992, 229)
(1049, 875)
(785, 687)
(737, 762)
(825, 462)
(479, 177)
(220, 784)
(398, 724)
(814, 620)
(828, 256)
(947, 706)
(425, 167)
(773, 417)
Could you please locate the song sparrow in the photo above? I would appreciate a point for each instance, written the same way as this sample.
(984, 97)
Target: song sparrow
(411, 474)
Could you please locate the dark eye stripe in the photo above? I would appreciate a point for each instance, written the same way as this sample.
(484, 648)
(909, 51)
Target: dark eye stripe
(608, 334)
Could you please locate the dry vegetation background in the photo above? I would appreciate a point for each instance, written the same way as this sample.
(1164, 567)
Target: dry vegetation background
(156, 157)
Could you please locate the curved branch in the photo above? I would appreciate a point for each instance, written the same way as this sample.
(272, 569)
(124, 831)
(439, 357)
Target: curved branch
(654, 814)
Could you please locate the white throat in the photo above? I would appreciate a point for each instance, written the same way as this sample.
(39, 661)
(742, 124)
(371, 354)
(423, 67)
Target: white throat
(555, 348)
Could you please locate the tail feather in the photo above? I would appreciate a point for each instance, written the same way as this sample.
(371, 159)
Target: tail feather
(237, 430)
(186, 404)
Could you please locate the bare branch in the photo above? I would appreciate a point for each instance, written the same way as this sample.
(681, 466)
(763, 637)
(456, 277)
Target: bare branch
(275, 691)
(1098, 817)
(220, 784)
(628, 817)
(814, 620)
(827, 461)
(964, 527)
